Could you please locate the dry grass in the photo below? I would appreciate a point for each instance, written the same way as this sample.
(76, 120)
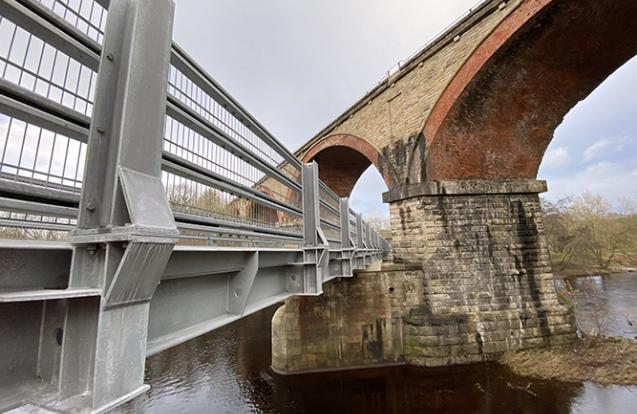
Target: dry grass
(601, 360)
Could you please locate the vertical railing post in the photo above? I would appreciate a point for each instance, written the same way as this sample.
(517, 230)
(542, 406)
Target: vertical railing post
(347, 249)
(370, 243)
(355, 244)
(126, 231)
(366, 242)
(360, 242)
(315, 245)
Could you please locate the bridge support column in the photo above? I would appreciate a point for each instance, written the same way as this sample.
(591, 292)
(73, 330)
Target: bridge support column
(126, 232)
(471, 279)
(356, 323)
(488, 282)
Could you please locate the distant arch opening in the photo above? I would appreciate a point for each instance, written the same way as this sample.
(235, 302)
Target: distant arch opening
(366, 198)
(342, 159)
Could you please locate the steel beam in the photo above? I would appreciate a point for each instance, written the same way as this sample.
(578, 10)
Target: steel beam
(315, 245)
(347, 248)
(126, 231)
(205, 288)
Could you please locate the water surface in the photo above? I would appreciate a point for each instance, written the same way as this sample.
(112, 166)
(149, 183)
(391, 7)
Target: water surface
(606, 304)
(228, 371)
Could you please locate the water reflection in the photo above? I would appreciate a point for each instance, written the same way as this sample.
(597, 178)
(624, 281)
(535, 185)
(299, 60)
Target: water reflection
(227, 371)
(606, 304)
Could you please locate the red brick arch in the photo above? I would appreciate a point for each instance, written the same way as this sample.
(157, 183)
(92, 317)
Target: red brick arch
(342, 159)
(498, 115)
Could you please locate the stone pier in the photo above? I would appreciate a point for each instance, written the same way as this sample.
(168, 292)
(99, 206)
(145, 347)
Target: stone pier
(471, 279)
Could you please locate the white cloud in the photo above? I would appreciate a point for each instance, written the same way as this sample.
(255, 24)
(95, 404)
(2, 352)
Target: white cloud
(556, 158)
(604, 147)
(612, 180)
(595, 150)
(601, 169)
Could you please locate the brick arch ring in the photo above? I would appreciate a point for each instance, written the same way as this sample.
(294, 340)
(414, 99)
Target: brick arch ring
(499, 113)
(342, 159)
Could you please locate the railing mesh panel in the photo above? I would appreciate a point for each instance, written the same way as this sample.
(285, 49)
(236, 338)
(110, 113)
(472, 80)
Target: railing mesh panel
(36, 66)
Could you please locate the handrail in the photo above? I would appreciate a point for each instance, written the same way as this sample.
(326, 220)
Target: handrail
(208, 162)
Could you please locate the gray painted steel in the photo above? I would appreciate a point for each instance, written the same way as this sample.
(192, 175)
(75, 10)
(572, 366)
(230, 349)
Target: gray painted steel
(161, 223)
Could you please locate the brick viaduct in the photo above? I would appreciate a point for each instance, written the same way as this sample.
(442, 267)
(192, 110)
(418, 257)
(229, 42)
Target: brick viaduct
(458, 134)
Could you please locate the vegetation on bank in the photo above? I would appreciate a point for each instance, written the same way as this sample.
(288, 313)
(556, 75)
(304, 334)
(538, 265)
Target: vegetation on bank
(603, 360)
(586, 235)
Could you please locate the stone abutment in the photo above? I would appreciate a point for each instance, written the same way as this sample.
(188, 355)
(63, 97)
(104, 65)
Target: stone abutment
(471, 279)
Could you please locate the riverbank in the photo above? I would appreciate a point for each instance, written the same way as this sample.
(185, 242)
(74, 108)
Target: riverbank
(583, 271)
(603, 360)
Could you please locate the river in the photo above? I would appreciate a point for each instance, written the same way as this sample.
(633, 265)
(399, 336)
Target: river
(227, 371)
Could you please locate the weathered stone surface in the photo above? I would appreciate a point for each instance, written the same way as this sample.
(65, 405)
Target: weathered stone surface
(356, 322)
(385, 128)
(391, 117)
(462, 290)
(464, 187)
(456, 132)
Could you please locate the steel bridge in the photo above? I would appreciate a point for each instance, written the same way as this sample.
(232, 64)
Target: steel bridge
(134, 209)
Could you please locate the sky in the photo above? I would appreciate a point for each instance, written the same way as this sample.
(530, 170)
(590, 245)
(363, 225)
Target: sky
(296, 65)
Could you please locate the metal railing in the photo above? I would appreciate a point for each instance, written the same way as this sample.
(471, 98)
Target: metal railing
(178, 211)
(228, 180)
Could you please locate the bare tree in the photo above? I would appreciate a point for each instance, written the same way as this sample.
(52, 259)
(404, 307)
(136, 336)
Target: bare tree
(586, 232)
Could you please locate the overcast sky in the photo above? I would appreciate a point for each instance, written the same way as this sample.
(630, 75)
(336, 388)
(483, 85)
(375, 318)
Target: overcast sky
(296, 65)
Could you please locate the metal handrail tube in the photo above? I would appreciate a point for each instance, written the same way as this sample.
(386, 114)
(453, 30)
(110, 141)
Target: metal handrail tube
(39, 208)
(258, 196)
(36, 225)
(211, 221)
(184, 63)
(48, 14)
(196, 227)
(205, 177)
(51, 33)
(180, 112)
(329, 191)
(42, 118)
(39, 192)
(329, 207)
(77, 124)
(252, 240)
(330, 224)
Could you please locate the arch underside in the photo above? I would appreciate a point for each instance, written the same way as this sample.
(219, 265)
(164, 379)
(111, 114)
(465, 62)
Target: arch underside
(342, 159)
(498, 115)
(340, 168)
